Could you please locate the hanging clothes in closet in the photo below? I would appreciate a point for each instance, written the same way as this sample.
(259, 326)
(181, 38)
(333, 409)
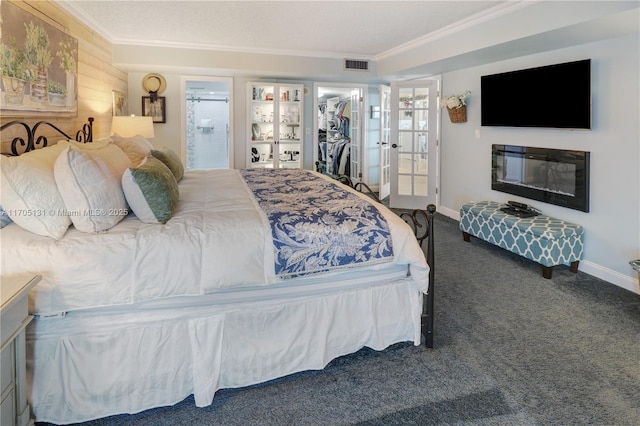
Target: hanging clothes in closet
(334, 142)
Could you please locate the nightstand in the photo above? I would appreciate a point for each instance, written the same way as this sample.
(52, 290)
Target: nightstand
(14, 317)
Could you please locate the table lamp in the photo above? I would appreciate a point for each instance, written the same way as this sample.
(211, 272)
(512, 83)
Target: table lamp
(128, 126)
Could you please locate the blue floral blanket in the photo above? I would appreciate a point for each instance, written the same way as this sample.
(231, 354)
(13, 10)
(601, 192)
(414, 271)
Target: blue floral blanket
(316, 225)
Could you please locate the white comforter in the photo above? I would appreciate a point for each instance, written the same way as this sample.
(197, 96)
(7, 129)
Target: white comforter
(218, 239)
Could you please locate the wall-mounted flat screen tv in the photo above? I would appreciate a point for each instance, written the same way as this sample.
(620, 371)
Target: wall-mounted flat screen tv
(552, 96)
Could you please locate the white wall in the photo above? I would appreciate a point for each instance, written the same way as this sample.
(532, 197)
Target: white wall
(612, 227)
(165, 134)
(169, 134)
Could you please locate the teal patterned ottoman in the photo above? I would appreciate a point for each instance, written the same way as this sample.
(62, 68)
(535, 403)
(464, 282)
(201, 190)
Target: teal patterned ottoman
(542, 239)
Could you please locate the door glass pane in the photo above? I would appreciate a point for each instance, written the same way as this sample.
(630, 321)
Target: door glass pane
(261, 155)
(421, 164)
(405, 121)
(406, 98)
(421, 187)
(290, 94)
(289, 131)
(404, 185)
(289, 114)
(405, 163)
(289, 156)
(422, 119)
(405, 141)
(354, 154)
(422, 147)
(421, 97)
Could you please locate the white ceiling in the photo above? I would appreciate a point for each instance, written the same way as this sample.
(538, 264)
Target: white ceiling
(351, 29)
(406, 38)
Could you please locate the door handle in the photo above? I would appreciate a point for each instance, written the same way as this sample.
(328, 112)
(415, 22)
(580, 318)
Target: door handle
(394, 145)
(382, 143)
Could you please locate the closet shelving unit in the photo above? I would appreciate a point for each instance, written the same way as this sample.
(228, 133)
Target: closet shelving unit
(331, 111)
(274, 125)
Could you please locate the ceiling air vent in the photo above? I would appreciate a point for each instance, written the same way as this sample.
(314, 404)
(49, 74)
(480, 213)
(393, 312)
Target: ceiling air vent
(352, 64)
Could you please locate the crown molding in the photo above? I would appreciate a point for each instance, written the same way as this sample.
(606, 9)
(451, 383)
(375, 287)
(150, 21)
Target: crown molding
(464, 24)
(86, 19)
(235, 49)
(103, 31)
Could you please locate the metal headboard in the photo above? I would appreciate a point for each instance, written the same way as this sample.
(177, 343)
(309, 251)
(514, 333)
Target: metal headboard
(32, 141)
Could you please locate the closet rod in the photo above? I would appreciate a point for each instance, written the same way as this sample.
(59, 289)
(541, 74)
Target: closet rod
(198, 99)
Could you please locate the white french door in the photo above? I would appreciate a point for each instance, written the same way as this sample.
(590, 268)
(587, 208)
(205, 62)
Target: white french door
(355, 146)
(385, 138)
(414, 149)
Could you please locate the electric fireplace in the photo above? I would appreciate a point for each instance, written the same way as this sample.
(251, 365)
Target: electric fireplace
(553, 176)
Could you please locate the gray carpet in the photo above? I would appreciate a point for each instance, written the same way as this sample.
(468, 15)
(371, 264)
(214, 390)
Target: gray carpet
(511, 348)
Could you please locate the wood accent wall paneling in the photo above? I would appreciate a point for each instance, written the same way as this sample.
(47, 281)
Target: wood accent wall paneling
(96, 76)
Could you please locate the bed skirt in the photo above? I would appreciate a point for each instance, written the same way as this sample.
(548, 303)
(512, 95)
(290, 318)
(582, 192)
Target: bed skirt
(89, 365)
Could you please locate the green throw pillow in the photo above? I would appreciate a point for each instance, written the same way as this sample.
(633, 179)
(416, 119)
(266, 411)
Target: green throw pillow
(171, 160)
(151, 191)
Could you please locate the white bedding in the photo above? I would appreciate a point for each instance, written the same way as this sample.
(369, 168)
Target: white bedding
(96, 363)
(218, 239)
(156, 313)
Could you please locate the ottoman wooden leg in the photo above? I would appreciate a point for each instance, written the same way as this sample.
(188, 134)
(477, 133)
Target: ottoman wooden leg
(546, 272)
(466, 236)
(574, 266)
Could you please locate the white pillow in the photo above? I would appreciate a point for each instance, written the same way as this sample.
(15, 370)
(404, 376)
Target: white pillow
(151, 191)
(91, 192)
(113, 157)
(136, 147)
(29, 194)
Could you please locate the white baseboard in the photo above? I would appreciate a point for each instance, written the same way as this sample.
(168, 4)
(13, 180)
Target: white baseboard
(613, 277)
(453, 214)
(586, 266)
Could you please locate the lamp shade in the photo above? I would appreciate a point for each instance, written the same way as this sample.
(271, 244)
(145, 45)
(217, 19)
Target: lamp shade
(131, 126)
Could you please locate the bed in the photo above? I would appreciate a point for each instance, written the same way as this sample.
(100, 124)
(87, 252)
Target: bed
(257, 274)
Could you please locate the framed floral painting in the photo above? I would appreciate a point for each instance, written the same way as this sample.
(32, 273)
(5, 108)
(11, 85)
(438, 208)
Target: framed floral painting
(39, 66)
(120, 104)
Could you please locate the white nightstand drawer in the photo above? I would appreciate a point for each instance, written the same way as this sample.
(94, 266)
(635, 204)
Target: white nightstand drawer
(14, 317)
(7, 372)
(7, 409)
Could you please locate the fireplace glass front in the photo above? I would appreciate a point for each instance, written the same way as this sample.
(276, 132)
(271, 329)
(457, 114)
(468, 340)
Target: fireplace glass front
(553, 176)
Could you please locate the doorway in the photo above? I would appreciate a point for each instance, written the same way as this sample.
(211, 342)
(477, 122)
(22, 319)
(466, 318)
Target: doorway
(339, 133)
(207, 122)
(414, 144)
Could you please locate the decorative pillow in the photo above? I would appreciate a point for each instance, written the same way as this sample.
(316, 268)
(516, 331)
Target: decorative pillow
(29, 194)
(171, 160)
(115, 159)
(42, 157)
(4, 218)
(91, 192)
(151, 190)
(136, 147)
